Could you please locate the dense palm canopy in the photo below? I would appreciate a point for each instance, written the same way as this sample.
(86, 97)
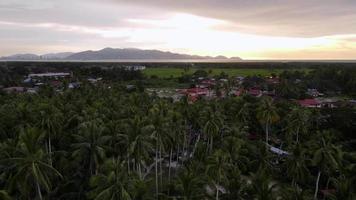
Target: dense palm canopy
(100, 142)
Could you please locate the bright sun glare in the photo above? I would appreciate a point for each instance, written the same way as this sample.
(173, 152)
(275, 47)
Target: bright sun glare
(199, 35)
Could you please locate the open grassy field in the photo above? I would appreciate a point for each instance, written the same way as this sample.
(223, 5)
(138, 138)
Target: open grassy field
(176, 72)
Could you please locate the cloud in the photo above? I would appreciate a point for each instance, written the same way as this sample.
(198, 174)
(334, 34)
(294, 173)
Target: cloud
(306, 18)
(247, 28)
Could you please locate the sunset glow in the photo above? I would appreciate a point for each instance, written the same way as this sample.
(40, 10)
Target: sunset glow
(178, 30)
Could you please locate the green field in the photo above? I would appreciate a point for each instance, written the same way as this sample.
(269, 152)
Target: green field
(176, 72)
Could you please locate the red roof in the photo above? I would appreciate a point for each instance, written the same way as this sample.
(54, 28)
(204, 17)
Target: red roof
(56, 83)
(192, 99)
(208, 82)
(309, 102)
(255, 92)
(199, 91)
(238, 92)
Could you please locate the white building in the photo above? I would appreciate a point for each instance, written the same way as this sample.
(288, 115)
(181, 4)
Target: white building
(135, 68)
(50, 74)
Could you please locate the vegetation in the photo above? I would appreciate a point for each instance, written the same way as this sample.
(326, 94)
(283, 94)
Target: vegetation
(105, 142)
(177, 72)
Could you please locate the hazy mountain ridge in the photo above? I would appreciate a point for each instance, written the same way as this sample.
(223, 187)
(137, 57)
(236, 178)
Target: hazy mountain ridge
(111, 54)
(29, 56)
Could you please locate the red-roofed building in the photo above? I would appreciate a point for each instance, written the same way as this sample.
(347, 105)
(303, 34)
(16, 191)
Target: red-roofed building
(208, 82)
(238, 93)
(192, 98)
(198, 91)
(255, 92)
(310, 103)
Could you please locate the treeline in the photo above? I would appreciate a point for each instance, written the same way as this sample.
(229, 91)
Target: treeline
(242, 64)
(330, 80)
(100, 143)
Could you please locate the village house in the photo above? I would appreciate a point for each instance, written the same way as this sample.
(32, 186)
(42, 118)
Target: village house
(50, 75)
(255, 92)
(310, 103)
(314, 93)
(14, 90)
(94, 80)
(73, 85)
(135, 68)
(328, 102)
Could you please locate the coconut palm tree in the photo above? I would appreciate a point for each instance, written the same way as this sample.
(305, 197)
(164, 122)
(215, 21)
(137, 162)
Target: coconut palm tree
(267, 114)
(326, 156)
(189, 185)
(236, 185)
(159, 117)
(294, 192)
(140, 189)
(298, 121)
(233, 146)
(140, 145)
(112, 183)
(296, 165)
(50, 121)
(262, 187)
(28, 165)
(90, 144)
(344, 189)
(217, 164)
(213, 123)
(243, 113)
(4, 195)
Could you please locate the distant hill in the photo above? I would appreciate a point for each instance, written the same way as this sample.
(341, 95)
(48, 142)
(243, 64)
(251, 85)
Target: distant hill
(50, 56)
(56, 56)
(21, 57)
(112, 54)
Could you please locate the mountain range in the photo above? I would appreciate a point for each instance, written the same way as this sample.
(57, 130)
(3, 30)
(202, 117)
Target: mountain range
(111, 54)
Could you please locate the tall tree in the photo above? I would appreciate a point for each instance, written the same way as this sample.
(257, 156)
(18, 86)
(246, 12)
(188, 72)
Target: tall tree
(217, 165)
(267, 114)
(29, 167)
(112, 183)
(298, 121)
(90, 144)
(326, 156)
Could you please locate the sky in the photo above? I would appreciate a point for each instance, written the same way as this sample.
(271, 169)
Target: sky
(250, 29)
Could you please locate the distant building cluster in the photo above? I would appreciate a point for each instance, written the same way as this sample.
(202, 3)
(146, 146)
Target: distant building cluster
(135, 68)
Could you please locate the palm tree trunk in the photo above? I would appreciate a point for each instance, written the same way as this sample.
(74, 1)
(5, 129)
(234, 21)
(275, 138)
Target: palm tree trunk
(169, 167)
(211, 143)
(91, 166)
(327, 183)
(267, 133)
(160, 164)
(139, 170)
(217, 193)
(317, 185)
(128, 162)
(156, 169)
(184, 141)
(38, 190)
(177, 154)
(208, 144)
(297, 139)
(50, 149)
(196, 145)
